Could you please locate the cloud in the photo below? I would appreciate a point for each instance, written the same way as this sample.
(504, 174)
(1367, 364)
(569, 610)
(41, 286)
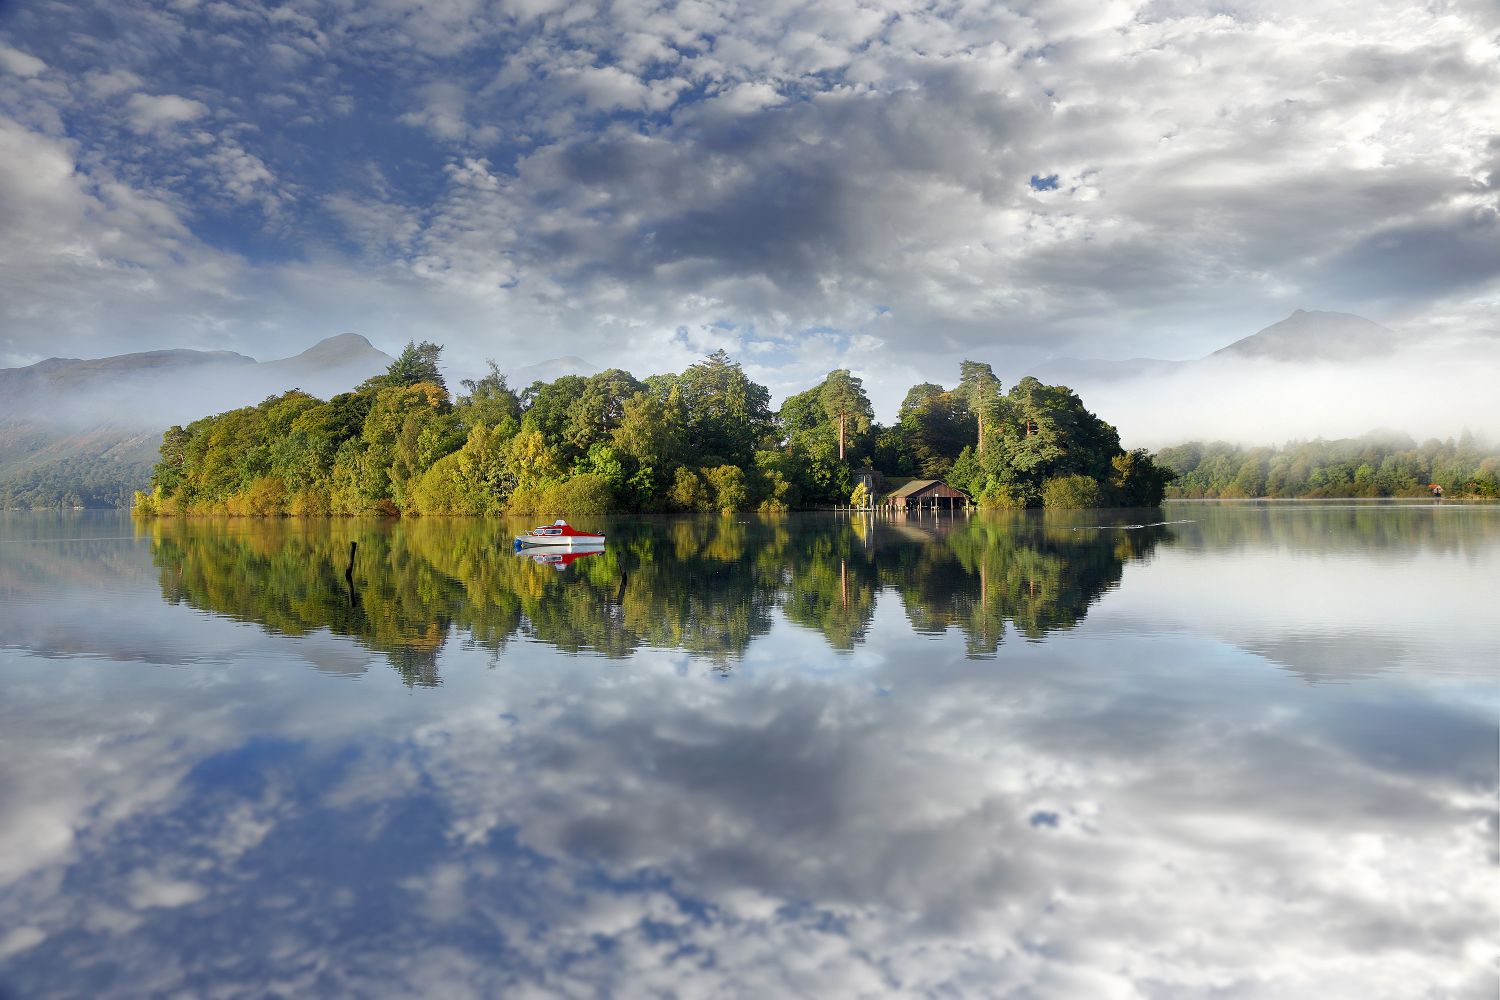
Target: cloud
(566, 824)
(109, 83)
(442, 111)
(20, 63)
(152, 113)
(90, 249)
(773, 179)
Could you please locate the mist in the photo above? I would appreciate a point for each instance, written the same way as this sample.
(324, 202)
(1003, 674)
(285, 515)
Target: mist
(156, 401)
(1415, 391)
(1426, 391)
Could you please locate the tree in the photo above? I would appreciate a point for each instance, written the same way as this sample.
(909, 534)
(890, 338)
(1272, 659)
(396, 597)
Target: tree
(1137, 481)
(488, 400)
(936, 427)
(547, 406)
(916, 397)
(417, 363)
(728, 416)
(169, 471)
(599, 408)
(649, 436)
(978, 386)
(844, 400)
(730, 492)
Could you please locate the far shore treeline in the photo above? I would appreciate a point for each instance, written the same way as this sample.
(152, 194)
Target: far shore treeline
(703, 440)
(1376, 465)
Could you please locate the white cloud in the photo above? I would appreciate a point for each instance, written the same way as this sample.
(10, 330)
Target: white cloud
(153, 113)
(20, 63)
(779, 169)
(84, 253)
(109, 83)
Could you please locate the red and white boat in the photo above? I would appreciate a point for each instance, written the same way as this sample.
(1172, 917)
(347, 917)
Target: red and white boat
(558, 533)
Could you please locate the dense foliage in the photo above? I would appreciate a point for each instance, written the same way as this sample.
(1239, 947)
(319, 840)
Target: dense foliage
(703, 440)
(75, 481)
(1377, 465)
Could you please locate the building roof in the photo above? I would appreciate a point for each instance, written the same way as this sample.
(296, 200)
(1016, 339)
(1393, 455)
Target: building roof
(915, 486)
(919, 486)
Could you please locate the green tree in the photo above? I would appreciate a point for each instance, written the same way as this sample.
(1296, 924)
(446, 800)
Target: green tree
(728, 416)
(936, 426)
(599, 408)
(548, 407)
(844, 401)
(488, 400)
(980, 389)
(417, 363)
(649, 437)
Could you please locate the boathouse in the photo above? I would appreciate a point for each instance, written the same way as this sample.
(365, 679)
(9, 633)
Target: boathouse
(924, 494)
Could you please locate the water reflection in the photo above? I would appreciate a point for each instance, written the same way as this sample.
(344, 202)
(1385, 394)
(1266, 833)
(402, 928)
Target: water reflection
(707, 586)
(1134, 806)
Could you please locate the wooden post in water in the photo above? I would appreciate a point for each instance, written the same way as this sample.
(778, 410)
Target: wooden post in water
(349, 573)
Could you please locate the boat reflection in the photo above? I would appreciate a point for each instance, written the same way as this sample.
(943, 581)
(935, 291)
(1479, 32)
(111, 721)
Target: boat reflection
(557, 560)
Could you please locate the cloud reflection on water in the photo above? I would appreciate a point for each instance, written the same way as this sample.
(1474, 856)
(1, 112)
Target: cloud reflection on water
(570, 825)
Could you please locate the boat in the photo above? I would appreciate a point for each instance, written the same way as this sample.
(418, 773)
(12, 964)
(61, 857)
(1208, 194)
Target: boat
(560, 560)
(558, 533)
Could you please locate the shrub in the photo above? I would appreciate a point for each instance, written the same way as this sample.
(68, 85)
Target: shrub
(587, 493)
(730, 492)
(310, 502)
(265, 497)
(1001, 498)
(147, 504)
(688, 492)
(527, 499)
(1070, 491)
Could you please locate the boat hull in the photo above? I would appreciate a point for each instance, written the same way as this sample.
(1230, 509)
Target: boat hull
(560, 542)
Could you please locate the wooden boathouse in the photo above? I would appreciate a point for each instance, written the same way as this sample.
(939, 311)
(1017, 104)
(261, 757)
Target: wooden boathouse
(924, 494)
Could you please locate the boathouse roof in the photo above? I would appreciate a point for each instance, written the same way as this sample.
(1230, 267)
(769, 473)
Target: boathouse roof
(925, 487)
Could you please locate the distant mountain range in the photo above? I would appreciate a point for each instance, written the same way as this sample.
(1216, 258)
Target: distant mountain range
(1313, 374)
(85, 432)
(137, 389)
(1304, 336)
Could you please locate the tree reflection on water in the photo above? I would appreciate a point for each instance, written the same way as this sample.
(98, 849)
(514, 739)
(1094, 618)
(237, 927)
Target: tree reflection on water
(706, 586)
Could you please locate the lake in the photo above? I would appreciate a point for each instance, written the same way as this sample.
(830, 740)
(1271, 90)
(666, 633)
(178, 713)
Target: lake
(1250, 751)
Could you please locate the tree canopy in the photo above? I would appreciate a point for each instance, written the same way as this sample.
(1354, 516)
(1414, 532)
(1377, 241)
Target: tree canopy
(704, 439)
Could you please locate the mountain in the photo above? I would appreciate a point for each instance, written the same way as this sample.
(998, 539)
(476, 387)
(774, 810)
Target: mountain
(85, 432)
(1313, 374)
(1316, 336)
(348, 354)
(1304, 336)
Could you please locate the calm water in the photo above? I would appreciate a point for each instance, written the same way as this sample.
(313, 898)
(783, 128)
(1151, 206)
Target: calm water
(1250, 752)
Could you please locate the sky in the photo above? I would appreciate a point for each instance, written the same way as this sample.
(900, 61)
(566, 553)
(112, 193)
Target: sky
(884, 186)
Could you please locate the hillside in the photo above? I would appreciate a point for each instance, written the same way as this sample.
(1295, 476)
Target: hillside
(85, 432)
